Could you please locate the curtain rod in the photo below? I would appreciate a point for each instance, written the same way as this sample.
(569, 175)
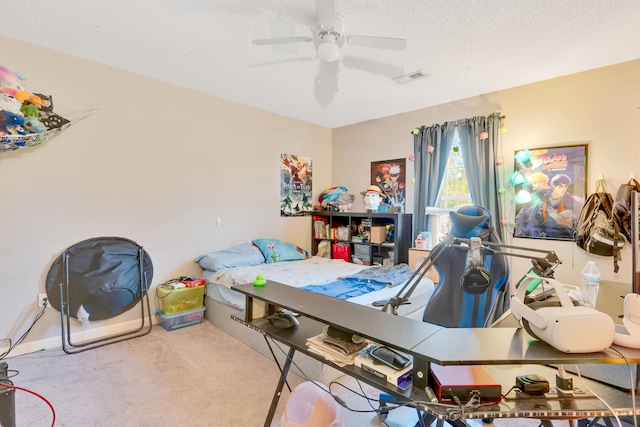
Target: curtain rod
(461, 120)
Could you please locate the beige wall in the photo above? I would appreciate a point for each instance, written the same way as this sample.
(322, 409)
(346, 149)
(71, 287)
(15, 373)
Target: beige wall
(157, 164)
(600, 106)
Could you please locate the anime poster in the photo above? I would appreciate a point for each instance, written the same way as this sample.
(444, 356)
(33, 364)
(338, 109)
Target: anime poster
(390, 176)
(550, 187)
(295, 186)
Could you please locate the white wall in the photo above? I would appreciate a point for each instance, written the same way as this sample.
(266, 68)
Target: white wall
(600, 106)
(157, 164)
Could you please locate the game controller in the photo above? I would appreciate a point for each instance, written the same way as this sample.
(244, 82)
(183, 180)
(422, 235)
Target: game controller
(628, 334)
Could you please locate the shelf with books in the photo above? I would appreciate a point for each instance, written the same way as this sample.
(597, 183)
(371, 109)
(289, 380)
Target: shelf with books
(367, 238)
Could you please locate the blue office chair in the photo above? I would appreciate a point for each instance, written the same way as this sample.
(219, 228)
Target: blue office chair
(471, 293)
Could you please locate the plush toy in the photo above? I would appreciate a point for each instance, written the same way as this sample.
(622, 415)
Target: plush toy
(30, 110)
(10, 123)
(9, 103)
(10, 82)
(46, 102)
(336, 198)
(33, 125)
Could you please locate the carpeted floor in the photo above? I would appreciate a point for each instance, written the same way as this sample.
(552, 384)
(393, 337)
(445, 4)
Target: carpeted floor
(197, 376)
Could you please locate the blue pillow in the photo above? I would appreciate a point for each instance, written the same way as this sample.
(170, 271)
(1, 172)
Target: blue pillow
(243, 255)
(287, 251)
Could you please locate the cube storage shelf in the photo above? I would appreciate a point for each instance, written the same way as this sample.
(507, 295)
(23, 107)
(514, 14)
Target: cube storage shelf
(363, 237)
(181, 320)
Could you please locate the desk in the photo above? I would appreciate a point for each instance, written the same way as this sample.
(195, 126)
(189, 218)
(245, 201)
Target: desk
(428, 343)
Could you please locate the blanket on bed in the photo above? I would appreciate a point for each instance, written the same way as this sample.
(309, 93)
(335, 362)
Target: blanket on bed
(369, 280)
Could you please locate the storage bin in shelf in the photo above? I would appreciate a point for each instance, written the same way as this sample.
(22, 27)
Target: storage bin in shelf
(172, 322)
(17, 142)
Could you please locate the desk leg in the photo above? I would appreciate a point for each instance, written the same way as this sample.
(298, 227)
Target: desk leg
(278, 392)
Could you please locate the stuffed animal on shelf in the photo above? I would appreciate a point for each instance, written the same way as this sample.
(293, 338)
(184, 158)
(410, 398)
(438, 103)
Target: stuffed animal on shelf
(10, 123)
(336, 198)
(33, 125)
(10, 103)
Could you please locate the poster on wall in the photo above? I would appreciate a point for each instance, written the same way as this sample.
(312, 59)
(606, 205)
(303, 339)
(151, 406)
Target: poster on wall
(295, 185)
(550, 186)
(390, 176)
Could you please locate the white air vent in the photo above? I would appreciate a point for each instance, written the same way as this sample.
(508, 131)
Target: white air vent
(406, 78)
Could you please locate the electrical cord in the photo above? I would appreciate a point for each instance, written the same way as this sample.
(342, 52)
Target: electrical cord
(454, 412)
(340, 401)
(598, 397)
(23, 336)
(633, 385)
(53, 411)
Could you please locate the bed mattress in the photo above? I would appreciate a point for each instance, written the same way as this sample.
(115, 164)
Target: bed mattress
(315, 270)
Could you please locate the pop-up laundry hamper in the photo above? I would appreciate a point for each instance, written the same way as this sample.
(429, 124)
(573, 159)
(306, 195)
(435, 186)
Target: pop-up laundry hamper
(98, 279)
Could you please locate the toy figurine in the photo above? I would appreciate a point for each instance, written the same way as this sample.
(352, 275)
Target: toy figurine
(372, 198)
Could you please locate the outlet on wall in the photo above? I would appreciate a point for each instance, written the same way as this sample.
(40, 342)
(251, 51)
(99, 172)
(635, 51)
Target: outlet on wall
(41, 299)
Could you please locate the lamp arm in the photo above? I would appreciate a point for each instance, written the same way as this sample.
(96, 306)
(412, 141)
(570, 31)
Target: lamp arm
(545, 266)
(402, 297)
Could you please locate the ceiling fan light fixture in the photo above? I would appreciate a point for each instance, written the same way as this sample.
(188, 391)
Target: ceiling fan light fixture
(328, 51)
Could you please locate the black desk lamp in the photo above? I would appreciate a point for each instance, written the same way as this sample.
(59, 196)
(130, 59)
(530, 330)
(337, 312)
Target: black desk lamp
(542, 267)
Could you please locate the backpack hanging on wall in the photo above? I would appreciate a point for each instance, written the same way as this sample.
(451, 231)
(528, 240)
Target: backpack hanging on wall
(597, 231)
(622, 207)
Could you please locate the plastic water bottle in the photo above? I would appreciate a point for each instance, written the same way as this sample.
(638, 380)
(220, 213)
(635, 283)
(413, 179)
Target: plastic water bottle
(590, 284)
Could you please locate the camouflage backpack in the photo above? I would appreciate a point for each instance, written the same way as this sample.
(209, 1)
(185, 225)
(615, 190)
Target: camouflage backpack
(597, 231)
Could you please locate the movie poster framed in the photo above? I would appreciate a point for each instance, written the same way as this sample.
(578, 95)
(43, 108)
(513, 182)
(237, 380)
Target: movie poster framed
(295, 185)
(390, 176)
(550, 187)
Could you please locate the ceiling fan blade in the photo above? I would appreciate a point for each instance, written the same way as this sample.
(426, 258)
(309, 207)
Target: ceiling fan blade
(326, 14)
(377, 42)
(283, 40)
(375, 67)
(326, 83)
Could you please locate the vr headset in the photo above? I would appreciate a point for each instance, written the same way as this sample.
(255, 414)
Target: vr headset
(567, 327)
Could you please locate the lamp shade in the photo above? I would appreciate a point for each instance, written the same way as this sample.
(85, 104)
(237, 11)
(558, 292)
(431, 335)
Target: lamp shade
(523, 196)
(517, 178)
(523, 157)
(328, 51)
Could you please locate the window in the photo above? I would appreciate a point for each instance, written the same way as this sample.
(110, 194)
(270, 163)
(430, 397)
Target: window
(454, 193)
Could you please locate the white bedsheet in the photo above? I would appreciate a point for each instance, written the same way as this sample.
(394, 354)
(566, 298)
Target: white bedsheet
(315, 270)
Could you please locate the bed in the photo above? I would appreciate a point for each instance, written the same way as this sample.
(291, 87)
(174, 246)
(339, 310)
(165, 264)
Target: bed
(296, 267)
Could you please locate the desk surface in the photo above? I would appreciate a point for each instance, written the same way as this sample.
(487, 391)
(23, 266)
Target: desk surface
(444, 346)
(497, 348)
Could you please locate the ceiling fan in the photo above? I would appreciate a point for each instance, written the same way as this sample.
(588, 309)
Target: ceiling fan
(329, 37)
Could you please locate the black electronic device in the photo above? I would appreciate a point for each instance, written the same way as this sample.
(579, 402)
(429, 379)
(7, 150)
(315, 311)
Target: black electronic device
(283, 320)
(532, 384)
(389, 357)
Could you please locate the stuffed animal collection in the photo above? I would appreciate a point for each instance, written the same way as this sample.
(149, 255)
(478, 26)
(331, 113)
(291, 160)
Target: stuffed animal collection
(23, 113)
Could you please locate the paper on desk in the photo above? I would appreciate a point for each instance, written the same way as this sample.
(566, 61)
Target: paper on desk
(318, 346)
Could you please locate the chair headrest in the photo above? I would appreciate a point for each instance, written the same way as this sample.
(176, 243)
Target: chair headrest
(470, 221)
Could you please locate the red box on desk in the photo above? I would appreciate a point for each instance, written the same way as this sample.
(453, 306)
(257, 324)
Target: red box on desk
(341, 251)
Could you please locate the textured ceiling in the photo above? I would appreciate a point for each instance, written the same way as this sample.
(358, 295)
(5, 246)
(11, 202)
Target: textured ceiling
(465, 47)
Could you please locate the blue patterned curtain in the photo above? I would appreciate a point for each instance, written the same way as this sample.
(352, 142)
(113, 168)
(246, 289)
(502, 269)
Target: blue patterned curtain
(479, 146)
(431, 147)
